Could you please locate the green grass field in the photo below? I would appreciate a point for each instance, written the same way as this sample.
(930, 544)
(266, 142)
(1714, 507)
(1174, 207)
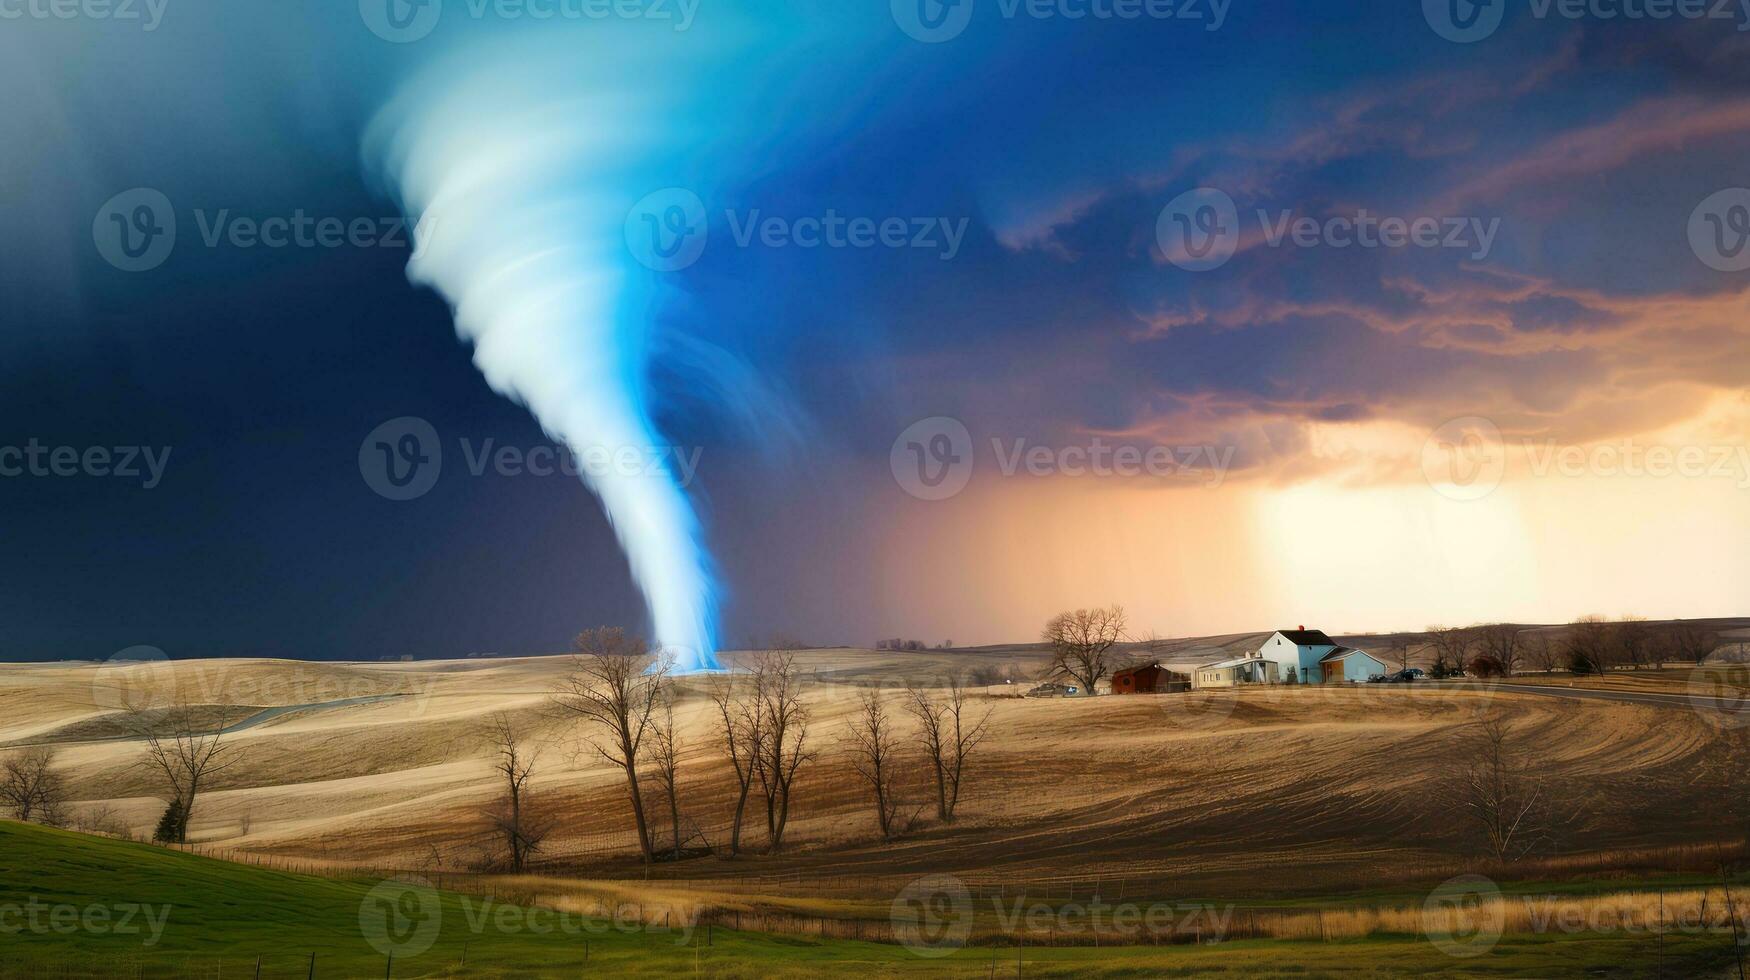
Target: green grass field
(74, 905)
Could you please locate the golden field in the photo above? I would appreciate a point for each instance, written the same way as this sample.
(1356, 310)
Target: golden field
(1257, 793)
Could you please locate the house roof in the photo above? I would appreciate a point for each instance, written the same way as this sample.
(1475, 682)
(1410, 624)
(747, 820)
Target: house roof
(1136, 669)
(1343, 653)
(1165, 668)
(1231, 662)
(1308, 638)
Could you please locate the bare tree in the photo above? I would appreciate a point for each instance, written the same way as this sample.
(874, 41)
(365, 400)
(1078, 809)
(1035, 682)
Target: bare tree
(514, 818)
(30, 788)
(784, 743)
(1589, 645)
(1503, 803)
(1541, 650)
(1503, 644)
(1452, 645)
(874, 750)
(741, 733)
(665, 758)
(185, 744)
(1691, 642)
(614, 685)
(100, 818)
(1661, 646)
(949, 734)
(1080, 641)
(1631, 639)
(1401, 651)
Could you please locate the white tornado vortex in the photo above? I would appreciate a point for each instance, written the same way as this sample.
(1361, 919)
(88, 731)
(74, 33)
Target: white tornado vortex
(519, 178)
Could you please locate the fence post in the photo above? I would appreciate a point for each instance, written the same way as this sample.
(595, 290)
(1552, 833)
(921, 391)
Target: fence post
(389, 968)
(1732, 917)
(1660, 974)
(312, 965)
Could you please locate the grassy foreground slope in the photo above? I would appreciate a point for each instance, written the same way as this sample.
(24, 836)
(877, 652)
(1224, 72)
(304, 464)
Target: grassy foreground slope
(75, 905)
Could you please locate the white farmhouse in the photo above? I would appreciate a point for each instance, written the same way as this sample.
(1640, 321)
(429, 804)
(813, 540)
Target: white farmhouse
(1300, 656)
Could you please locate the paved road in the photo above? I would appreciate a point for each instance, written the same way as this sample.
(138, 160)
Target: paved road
(1737, 706)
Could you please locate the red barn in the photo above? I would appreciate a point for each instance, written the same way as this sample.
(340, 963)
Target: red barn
(1149, 679)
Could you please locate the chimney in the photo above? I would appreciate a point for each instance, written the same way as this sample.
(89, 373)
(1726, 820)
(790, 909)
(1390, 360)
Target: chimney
(1303, 627)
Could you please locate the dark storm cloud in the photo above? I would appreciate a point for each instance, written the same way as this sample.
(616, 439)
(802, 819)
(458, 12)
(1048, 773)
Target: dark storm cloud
(1052, 146)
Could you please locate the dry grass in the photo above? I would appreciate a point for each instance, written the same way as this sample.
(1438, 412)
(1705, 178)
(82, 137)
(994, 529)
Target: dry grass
(1252, 793)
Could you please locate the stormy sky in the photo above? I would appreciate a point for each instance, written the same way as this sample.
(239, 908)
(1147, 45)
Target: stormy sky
(1470, 344)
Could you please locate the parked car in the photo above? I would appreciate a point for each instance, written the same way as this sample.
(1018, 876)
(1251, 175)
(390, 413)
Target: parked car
(1050, 689)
